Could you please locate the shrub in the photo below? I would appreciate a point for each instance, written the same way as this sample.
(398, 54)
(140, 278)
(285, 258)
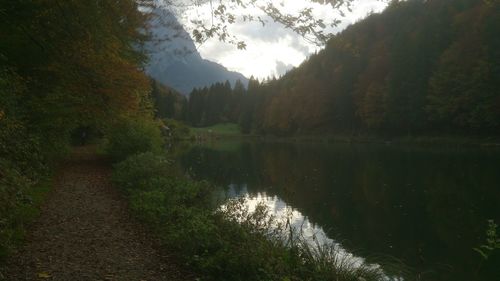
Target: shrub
(175, 130)
(13, 187)
(20, 197)
(229, 242)
(138, 168)
(23, 165)
(128, 137)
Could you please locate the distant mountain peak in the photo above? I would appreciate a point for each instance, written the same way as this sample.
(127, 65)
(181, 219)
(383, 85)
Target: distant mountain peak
(175, 61)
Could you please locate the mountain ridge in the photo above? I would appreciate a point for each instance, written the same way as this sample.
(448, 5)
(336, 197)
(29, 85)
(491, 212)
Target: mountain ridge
(421, 67)
(175, 61)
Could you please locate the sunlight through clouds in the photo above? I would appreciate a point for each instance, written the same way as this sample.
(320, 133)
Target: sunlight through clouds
(271, 49)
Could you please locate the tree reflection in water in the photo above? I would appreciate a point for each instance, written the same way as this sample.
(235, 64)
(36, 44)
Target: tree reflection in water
(423, 205)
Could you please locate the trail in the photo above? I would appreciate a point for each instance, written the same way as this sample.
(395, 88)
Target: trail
(86, 233)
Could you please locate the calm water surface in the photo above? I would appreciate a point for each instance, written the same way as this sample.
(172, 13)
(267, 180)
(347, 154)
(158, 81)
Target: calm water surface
(426, 206)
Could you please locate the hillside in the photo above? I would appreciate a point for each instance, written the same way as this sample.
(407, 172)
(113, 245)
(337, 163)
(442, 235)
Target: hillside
(118, 207)
(168, 103)
(420, 67)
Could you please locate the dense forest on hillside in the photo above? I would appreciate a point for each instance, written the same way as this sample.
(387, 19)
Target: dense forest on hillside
(72, 73)
(66, 64)
(67, 68)
(420, 67)
(168, 103)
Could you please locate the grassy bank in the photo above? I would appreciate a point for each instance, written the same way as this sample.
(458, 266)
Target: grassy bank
(223, 130)
(231, 131)
(228, 243)
(219, 243)
(418, 140)
(21, 213)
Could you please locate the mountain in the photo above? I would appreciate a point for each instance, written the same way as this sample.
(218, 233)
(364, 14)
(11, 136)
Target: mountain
(422, 67)
(174, 60)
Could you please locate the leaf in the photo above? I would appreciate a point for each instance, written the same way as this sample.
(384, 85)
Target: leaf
(481, 253)
(44, 275)
(241, 45)
(489, 248)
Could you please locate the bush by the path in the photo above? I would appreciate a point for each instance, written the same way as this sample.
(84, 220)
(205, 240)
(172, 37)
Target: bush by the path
(22, 168)
(227, 243)
(131, 136)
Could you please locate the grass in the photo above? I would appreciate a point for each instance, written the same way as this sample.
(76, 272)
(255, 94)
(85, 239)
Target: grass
(232, 130)
(228, 130)
(223, 240)
(218, 130)
(228, 243)
(225, 145)
(23, 213)
(417, 140)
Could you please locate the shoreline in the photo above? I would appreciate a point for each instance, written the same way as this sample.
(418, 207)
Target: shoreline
(493, 142)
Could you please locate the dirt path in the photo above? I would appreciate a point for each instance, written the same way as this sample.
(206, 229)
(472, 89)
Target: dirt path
(86, 233)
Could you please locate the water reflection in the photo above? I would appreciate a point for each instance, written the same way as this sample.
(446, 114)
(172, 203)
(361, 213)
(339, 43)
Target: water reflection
(425, 206)
(283, 212)
(300, 224)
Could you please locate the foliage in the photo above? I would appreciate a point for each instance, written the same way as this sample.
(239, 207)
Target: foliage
(209, 106)
(53, 82)
(12, 186)
(20, 199)
(131, 136)
(169, 104)
(75, 80)
(211, 239)
(223, 129)
(21, 168)
(492, 241)
(22, 164)
(139, 167)
(419, 67)
(464, 90)
(63, 65)
(220, 103)
(488, 250)
(300, 20)
(175, 130)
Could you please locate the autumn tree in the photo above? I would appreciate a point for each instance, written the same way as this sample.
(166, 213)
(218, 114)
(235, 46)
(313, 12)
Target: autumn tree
(63, 65)
(464, 89)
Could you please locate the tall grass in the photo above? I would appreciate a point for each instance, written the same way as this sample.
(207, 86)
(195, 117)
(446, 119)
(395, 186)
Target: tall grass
(228, 242)
(222, 129)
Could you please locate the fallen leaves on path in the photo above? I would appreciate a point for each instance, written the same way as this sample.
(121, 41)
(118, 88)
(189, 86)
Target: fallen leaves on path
(86, 233)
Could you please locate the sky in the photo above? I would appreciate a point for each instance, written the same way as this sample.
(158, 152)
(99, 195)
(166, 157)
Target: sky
(271, 49)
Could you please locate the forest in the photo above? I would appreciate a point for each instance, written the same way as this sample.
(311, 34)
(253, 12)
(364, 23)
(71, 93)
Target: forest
(65, 67)
(77, 112)
(418, 68)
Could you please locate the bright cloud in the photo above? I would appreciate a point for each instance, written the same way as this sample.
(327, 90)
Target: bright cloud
(271, 49)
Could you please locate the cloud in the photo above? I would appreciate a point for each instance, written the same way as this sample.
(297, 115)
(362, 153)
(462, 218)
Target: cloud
(282, 68)
(272, 49)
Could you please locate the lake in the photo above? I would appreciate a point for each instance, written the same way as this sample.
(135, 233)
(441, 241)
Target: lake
(426, 206)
